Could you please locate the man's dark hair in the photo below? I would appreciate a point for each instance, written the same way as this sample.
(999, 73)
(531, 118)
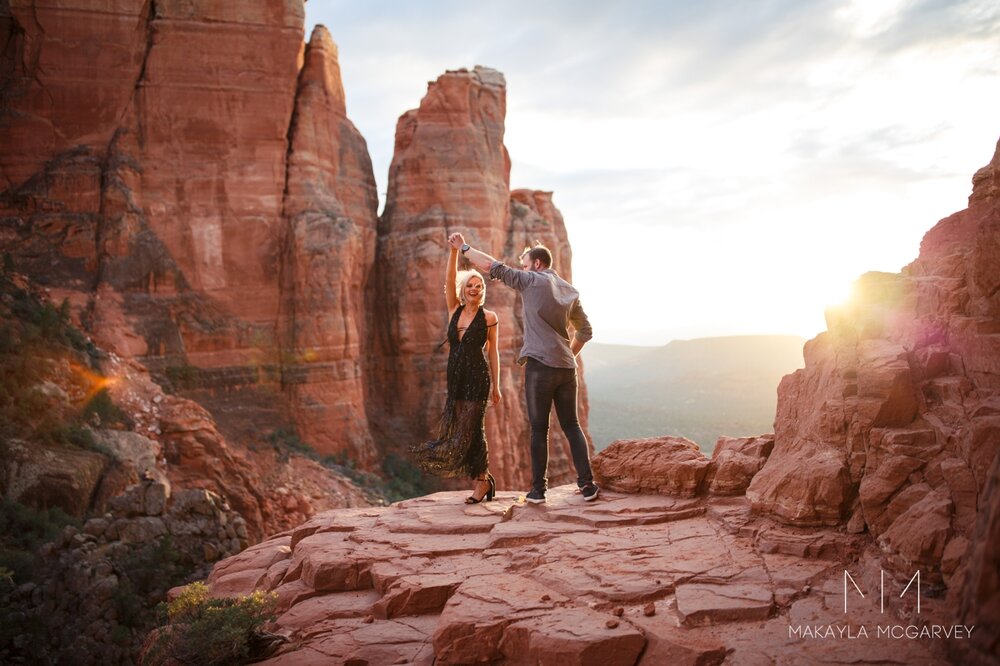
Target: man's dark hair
(539, 252)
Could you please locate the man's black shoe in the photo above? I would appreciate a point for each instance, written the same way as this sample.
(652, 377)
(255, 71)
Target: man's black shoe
(589, 491)
(535, 497)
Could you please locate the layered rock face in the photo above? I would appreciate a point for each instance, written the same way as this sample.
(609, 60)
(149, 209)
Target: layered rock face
(330, 210)
(893, 425)
(198, 193)
(76, 613)
(629, 579)
(206, 204)
(433, 193)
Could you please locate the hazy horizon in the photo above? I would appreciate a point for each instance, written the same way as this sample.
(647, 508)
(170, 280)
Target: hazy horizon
(700, 389)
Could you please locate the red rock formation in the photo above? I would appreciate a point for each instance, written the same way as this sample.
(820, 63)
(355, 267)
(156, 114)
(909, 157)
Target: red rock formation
(163, 187)
(215, 220)
(330, 209)
(891, 428)
(432, 193)
(664, 465)
(630, 579)
(894, 423)
(176, 439)
(735, 461)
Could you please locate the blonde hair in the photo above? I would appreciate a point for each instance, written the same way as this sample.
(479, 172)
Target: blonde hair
(463, 279)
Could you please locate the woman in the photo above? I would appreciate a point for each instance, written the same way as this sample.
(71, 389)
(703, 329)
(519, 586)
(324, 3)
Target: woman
(460, 449)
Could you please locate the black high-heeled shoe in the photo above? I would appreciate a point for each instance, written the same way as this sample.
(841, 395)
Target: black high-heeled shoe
(491, 491)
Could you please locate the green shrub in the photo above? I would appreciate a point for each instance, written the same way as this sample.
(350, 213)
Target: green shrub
(146, 573)
(404, 479)
(104, 407)
(203, 630)
(22, 530)
(286, 439)
(25, 528)
(17, 623)
(70, 434)
(20, 565)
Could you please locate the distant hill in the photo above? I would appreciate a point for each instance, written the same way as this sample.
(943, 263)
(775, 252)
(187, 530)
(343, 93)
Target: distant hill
(699, 389)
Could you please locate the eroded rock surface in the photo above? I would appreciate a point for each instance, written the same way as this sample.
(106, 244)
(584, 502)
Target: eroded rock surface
(451, 172)
(664, 465)
(628, 579)
(200, 196)
(894, 422)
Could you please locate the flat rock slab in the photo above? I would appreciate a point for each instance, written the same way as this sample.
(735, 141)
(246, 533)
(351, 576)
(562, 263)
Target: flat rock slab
(627, 579)
(361, 642)
(572, 636)
(444, 517)
(473, 621)
(259, 556)
(566, 504)
(514, 533)
(706, 603)
(669, 643)
(418, 594)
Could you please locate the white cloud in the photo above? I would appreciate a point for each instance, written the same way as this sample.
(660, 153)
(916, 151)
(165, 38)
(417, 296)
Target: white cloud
(753, 158)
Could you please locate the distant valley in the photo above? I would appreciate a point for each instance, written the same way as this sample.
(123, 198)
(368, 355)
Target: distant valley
(699, 389)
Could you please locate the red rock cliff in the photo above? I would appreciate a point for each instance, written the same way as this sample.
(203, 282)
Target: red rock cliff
(186, 174)
(893, 426)
(200, 194)
(433, 192)
(330, 212)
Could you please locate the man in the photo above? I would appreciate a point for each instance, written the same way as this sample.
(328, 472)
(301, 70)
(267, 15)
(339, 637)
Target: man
(551, 308)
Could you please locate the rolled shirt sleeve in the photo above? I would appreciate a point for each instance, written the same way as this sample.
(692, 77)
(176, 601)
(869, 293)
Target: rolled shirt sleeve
(578, 319)
(512, 277)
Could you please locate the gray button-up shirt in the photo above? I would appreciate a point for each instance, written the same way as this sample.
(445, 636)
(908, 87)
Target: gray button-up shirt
(551, 307)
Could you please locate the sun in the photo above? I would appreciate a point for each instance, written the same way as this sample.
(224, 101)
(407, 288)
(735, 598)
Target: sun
(836, 290)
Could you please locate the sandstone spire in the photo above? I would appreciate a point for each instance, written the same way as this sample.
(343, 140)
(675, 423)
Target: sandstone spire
(330, 210)
(450, 172)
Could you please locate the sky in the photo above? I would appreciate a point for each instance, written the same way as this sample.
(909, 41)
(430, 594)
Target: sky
(722, 168)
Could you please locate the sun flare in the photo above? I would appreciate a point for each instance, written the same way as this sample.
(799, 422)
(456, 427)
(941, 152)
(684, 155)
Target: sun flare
(95, 382)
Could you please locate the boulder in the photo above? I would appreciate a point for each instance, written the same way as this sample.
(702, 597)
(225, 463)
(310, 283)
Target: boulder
(735, 461)
(663, 465)
(45, 476)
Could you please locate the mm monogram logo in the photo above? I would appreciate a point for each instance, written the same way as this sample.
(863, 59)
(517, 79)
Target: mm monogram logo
(881, 589)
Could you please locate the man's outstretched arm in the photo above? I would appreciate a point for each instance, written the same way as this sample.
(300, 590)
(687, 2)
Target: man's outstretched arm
(494, 268)
(479, 260)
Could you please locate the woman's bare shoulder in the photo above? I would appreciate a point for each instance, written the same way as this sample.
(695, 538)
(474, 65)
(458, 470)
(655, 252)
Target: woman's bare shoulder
(491, 317)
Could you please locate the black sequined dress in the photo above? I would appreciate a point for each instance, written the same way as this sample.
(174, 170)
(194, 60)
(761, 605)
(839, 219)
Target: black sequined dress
(460, 449)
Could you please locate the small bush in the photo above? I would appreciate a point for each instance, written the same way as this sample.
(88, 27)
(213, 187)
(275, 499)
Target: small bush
(146, 573)
(404, 479)
(106, 410)
(22, 531)
(25, 528)
(71, 434)
(20, 565)
(203, 630)
(285, 440)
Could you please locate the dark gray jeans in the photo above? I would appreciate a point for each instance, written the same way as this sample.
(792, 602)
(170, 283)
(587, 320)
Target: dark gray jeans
(543, 386)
